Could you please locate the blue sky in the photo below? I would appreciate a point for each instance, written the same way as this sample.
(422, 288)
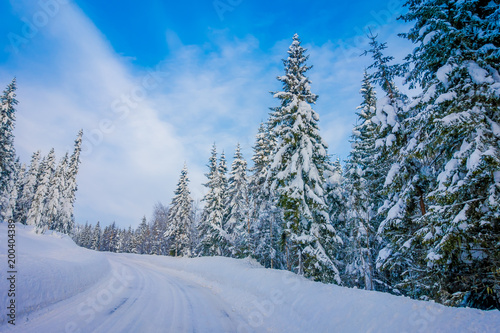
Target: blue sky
(155, 83)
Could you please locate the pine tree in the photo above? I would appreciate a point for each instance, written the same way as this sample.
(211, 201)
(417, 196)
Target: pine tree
(125, 241)
(96, 237)
(160, 245)
(56, 210)
(362, 187)
(266, 224)
(142, 238)
(237, 222)
(13, 190)
(30, 184)
(69, 191)
(181, 217)
(22, 176)
(222, 174)
(86, 236)
(37, 215)
(334, 192)
(7, 151)
(443, 216)
(109, 239)
(213, 239)
(297, 171)
(106, 236)
(157, 233)
(382, 136)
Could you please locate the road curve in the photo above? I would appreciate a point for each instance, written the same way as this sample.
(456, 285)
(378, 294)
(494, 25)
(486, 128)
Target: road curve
(136, 296)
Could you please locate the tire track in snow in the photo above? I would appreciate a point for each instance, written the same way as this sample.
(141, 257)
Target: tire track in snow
(137, 297)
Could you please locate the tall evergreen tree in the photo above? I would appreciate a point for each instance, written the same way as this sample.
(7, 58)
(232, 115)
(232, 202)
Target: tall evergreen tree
(382, 137)
(37, 215)
(7, 151)
(96, 237)
(86, 237)
(22, 176)
(222, 175)
(142, 238)
(30, 183)
(157, 235)
(54, 209)
(237, 221)
(125, 241)
(265, 225)
(15, 184)
(160, 245)
(362, 181)
(266, 217)
(443, 214)
(300, 160)
(181, 217)
(213, 238)
(69, 192)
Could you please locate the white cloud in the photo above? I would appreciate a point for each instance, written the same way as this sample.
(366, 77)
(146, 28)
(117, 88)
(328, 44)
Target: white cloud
(129, 160)
(141, 125)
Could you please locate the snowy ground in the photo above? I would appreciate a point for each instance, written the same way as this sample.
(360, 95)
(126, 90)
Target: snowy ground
(63, 288)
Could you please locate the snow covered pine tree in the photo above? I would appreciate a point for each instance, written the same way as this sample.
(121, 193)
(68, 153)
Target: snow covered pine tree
(181, 218)
(237, 221)
(447, 209)
(297, 172)
(213, 239)
(362, 189)
(266, 226)
(7, 151)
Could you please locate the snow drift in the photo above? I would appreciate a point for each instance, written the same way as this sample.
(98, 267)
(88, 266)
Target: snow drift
(52, 271)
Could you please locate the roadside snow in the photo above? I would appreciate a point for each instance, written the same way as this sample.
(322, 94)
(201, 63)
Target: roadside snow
(50, 268)
(209, 294)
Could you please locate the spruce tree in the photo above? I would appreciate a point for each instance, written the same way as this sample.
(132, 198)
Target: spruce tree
(29, 183)
(22, 177)
(237, 221)
(125, 241)
(443, 216)
(376, 153)
(7, 151)
(96, 237)
(297, 172)
(160, 245)
(181, 217)
(54, 209)
(213, 238)
(142, 238)
(86, 238)
(157, 238)
(69, 191)
(265, 225)
(13, 190)
(37, 213)
(105, 239)
(362, 188)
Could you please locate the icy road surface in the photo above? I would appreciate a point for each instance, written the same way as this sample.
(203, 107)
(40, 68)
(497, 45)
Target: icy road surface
(137, 297)
(63, 288)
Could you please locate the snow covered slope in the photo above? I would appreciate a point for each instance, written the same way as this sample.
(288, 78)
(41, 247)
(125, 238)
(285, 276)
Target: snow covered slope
(64, 288)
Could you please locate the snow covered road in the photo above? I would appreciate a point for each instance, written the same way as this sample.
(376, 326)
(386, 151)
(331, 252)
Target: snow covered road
(63, 288)
(137, 297)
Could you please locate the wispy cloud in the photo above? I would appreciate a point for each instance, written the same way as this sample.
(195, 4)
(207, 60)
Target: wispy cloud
(142, 124)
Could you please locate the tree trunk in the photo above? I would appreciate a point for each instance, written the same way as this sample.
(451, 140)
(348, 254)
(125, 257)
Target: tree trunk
(421, 201)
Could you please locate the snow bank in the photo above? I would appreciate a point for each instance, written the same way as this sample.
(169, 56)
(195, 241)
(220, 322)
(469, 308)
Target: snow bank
(50, 268)
(280, 301)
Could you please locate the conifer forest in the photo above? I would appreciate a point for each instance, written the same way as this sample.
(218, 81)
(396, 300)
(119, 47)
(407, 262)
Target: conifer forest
(414, 209)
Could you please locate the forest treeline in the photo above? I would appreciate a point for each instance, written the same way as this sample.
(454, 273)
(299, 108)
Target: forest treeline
(415, 208)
